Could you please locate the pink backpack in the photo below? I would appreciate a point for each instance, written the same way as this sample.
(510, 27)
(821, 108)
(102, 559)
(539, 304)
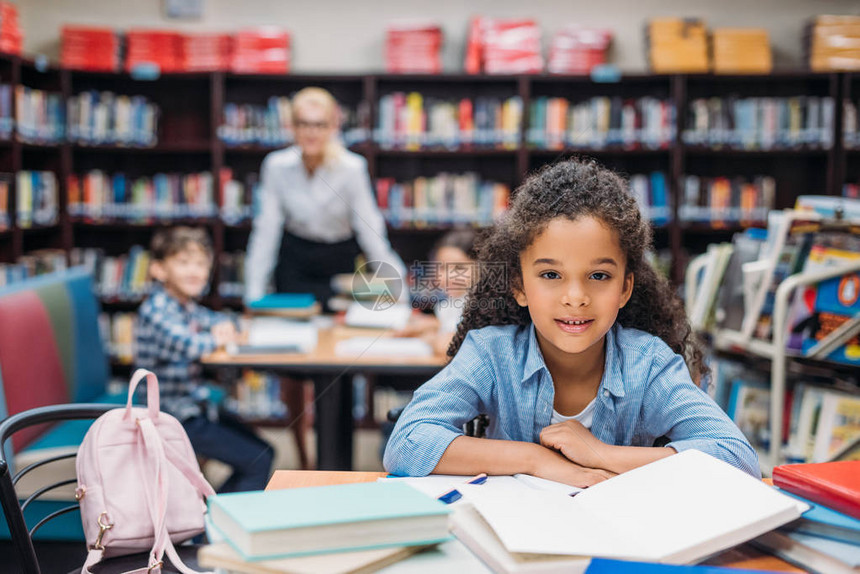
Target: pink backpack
(139, 485)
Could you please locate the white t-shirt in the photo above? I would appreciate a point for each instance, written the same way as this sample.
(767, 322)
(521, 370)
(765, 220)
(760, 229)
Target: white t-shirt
(449, 313)
(585, 417)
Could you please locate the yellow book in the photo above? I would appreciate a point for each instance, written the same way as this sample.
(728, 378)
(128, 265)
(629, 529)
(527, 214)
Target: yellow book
(415, 123)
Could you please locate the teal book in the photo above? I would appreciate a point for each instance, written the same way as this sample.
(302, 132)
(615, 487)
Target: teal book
(265, 525)
(284, 301)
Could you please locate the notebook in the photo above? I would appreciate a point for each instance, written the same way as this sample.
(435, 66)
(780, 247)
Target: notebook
(377, 317)
(223, 556)
(644, 514)
(833, 484)
(295, 522)
(825, 522)
(267, 335)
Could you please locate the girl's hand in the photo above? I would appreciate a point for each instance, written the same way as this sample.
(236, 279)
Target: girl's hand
(554, 466)
(577, 444)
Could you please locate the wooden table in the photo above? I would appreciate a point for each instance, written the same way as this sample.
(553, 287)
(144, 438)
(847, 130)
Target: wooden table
(744, 556)
(332, 377)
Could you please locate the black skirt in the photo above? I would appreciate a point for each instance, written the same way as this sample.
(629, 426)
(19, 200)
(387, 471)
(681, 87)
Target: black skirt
(307, 266)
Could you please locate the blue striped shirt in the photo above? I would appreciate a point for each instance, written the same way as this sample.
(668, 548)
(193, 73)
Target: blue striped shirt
(646, 392)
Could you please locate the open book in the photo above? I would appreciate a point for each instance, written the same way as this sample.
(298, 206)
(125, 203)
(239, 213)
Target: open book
(677, 510)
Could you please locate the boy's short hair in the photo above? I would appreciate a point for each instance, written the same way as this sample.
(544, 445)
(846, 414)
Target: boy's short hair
(172, 240)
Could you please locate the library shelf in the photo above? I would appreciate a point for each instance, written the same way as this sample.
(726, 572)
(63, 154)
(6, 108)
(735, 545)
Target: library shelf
(756, 153)
(199, 146)
(445, 153)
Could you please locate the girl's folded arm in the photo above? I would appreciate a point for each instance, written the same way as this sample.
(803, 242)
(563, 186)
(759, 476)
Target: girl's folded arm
(675, 407)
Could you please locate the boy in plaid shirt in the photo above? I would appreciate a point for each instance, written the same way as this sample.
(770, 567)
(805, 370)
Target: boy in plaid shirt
(173, 333)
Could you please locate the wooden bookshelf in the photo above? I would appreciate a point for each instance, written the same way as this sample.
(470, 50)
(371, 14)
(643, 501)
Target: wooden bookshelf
(192, 108)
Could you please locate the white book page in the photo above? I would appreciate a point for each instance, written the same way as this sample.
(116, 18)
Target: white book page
(275, 331)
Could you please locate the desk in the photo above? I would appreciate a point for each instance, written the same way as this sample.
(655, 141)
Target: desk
(454, 557)
(332, 384)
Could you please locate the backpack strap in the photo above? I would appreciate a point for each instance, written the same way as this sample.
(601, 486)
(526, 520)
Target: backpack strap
(189, 470)
(152, 397)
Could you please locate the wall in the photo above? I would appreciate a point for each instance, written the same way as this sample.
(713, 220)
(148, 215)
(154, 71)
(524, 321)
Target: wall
(341, 36)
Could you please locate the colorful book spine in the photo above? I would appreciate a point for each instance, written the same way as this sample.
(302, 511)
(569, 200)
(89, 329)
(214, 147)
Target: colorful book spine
(117, 331)
(652, 195)
(446, 199)
(95, 196)
(558, 123)
(7, 121)
(121, 278)
(240, 200)
(39, 116)
(105, 118)
(37, 198)
(258, 396)
(760, 123)
(33, 264)
(5, 197)
(850, 124)
(412, 121)
(721, 201)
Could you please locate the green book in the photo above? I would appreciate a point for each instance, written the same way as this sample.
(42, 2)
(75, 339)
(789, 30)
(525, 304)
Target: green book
(294, 522)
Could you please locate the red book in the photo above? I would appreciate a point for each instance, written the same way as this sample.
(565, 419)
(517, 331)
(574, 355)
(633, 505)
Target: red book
(833, 484)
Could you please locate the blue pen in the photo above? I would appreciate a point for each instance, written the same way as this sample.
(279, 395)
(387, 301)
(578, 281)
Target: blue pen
(454, 495)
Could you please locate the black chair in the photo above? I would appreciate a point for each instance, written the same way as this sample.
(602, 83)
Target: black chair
(477, 427)
(13, 507)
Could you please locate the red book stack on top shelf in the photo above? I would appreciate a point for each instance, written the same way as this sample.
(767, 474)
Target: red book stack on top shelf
(263, 50)
(576, 50)
(413, 48)
(11, 37)
(88, 48)
(162, 48)
(503, 46)
(206, 52)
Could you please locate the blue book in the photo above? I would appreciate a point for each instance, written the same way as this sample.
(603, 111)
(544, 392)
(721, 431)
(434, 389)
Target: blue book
(302, 521)
(283, 301)
(822, 521)
(607, 566)
(812, 552)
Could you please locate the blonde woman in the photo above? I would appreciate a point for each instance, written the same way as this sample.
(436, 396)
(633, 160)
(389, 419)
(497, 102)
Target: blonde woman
(318, 210)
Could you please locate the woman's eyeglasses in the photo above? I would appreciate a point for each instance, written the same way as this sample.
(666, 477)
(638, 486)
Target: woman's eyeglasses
(305, 125)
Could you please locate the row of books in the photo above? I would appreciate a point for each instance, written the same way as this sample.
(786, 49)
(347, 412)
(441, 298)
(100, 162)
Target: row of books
(556, 123)
(231, 274)
(39, 115)
(257, 395)
(441, 200)
(37, 198)
(33, 264)
(577, 50)
(98, 118)
(260, 50)
(411, 121)
(272, 124)
(652, 195)
(122, 278)
(723, 200)
(5, 197)
(7, 122)
(239, 199)
(761, 123)
(97, 196)
(117, 331)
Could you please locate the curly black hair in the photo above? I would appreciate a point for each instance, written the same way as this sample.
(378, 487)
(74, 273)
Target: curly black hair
(573, 189)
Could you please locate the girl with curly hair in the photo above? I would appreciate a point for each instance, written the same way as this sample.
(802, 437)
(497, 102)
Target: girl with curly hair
(575, 348)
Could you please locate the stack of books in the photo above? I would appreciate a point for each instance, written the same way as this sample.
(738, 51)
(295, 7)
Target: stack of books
(95, 196)
(239, 199)
(761, 123)
(11, 37)
(676, 45)
(411, 121)
(159, 48)
(742, 51)
(827, 537)
(39, 115)
(88, 48)
(504, 46)
(105, 118)
(832, 43)
(122, 278)
(576, 50)
(206, 52)
(341, 528)
(263, 50)
(37, 198)
(413, 48)
(556, 123)
(721, 201)
(446, 199)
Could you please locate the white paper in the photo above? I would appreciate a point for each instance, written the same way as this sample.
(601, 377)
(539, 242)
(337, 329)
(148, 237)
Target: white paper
(279, 332)
(364, 315)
